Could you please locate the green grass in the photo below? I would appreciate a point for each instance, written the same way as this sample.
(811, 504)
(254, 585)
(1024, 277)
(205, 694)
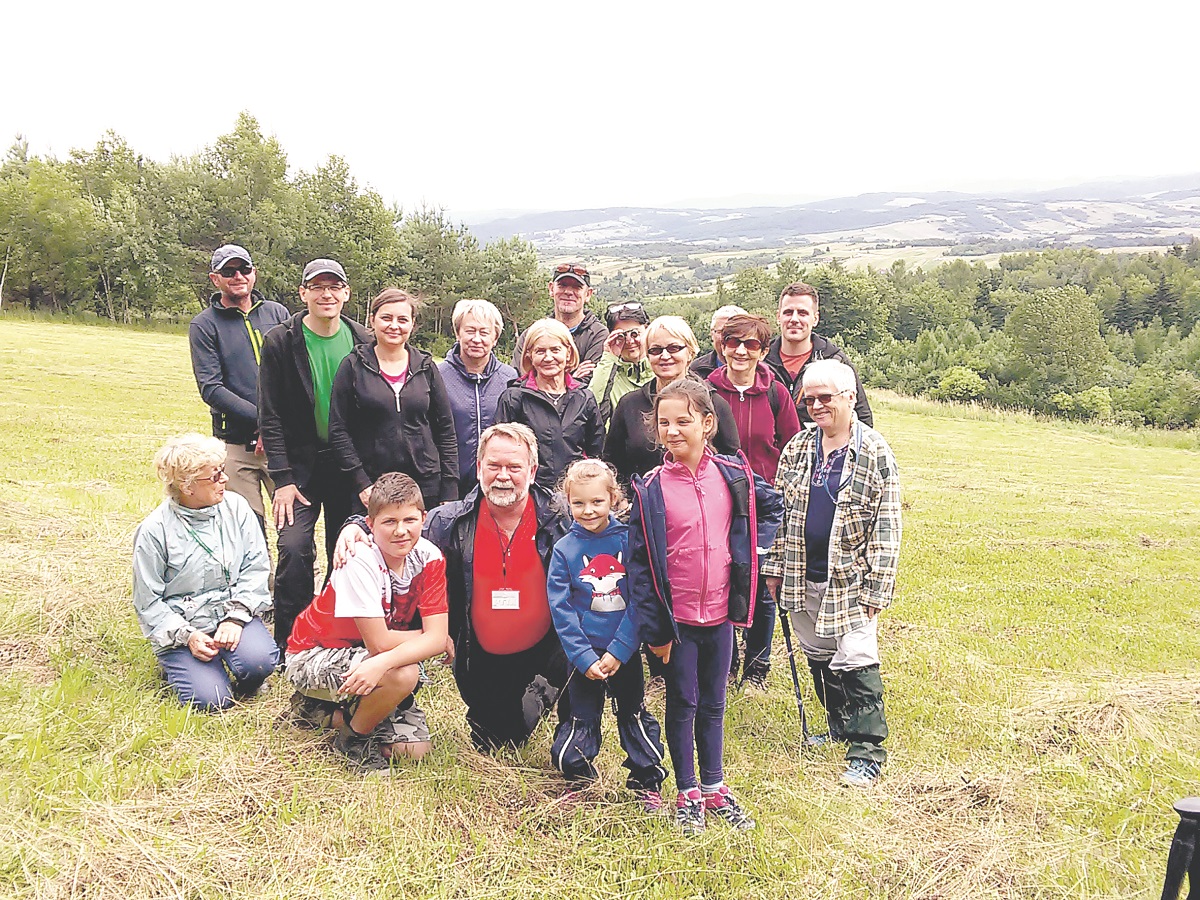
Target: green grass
(1040, 662)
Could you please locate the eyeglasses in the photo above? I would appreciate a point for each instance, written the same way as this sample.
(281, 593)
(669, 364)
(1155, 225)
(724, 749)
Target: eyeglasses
(230, 271)
(322, 288)
(574, 270)
(672, 349)
(751, 344)
(632, 306)
(826, 399)
(216, 477)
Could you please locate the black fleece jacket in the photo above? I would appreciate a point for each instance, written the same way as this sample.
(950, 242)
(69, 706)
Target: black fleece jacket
(562, 439)
(286, 403)
(374, 430)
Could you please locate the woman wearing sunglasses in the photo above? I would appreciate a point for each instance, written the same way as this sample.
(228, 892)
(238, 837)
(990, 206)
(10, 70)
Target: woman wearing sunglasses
(200, 571)
(833, 565)
(766, 420)
(632, 445)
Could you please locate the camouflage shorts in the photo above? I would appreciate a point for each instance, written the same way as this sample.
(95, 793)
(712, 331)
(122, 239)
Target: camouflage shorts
(318, 672)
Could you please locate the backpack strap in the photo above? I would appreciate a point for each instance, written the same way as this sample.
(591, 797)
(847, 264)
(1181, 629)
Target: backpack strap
(606, 401)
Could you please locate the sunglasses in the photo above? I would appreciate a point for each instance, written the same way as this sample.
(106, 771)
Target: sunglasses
(631, 306)
(230, 271)
(574, 270)
(672, 349)
(751, 344)
(216, 477)
(826, 399)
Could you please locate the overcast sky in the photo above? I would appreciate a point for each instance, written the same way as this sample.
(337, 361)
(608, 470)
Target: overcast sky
(554, 105)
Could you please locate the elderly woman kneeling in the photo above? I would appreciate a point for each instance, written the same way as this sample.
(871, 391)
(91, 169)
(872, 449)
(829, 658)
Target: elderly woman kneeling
(200, 570)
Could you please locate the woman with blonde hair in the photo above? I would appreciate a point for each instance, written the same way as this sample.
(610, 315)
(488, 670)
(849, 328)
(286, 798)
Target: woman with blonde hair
(561, 412)
(200, 569)
(632, 446)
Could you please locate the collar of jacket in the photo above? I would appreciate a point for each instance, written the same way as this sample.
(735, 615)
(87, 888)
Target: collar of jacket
(530, 381)
(454, 358)
(256, 298)
(417, 359)
(763, 377)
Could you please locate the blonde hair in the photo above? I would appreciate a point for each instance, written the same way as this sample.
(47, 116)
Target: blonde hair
(590, 470)
(182, 458)
(548, 328)
(677, 328)
(514, 431)
(481, 309)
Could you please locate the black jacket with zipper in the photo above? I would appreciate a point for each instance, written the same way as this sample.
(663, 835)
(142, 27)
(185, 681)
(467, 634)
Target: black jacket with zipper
(286, 403)
(562, 439)
(375, 430)
(822, 348)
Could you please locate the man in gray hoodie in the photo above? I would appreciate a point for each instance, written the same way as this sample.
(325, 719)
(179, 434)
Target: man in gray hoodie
(226, 342)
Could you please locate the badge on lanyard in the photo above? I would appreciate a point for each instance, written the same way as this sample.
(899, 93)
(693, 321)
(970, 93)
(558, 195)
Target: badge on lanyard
(505, 599)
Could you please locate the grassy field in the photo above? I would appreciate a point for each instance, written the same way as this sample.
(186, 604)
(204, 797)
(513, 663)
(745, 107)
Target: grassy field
(1041, 663)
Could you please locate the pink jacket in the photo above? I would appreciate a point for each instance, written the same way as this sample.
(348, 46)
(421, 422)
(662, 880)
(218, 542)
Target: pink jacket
(699, 519)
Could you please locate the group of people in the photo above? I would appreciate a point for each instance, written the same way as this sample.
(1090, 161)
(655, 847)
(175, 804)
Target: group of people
(539, 524)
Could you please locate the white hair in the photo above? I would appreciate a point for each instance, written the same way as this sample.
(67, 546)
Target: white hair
(832, 372)
(481, 309)
(726, 313)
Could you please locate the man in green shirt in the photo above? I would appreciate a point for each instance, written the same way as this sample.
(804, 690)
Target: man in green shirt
(299, 360)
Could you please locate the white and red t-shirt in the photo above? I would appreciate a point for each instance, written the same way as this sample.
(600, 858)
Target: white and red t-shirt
(365, 588)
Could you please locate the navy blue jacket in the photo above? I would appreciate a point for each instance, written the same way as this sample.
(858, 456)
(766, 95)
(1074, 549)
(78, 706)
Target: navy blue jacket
(226, 346)
(757, 510)
(473, 399)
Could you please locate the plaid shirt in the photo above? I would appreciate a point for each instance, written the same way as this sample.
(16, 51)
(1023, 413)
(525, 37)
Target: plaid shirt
(864, 543)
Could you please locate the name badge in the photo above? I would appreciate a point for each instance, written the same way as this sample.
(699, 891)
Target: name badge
(506, 599)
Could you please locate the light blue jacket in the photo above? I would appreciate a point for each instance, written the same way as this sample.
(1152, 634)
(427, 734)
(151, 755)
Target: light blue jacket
(178, 587)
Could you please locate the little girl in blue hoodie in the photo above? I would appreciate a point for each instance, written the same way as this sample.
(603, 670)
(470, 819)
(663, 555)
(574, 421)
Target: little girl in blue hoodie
(587, 593)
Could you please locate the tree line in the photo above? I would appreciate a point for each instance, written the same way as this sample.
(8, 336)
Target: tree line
(106, 231)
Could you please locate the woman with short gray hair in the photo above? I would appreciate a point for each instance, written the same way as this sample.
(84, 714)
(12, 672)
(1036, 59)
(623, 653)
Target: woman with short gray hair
(200, 569)
(474, 379)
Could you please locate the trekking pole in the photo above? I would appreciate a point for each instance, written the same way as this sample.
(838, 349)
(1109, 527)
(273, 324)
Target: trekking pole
(791, 655)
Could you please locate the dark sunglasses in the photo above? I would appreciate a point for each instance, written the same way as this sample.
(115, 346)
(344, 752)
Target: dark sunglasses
(826, 399)
(574, 270)
(658, 350)
(751, 344)
(230, 271)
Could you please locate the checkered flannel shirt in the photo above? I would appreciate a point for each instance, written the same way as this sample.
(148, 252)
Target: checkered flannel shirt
(864, 543)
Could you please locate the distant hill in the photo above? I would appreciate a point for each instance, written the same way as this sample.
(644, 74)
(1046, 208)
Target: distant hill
(1151, 211)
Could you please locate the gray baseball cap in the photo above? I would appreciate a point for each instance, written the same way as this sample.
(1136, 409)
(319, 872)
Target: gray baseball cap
(323, 267)
(224, 254)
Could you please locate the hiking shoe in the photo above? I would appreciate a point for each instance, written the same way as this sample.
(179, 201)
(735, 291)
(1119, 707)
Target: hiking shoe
(722, 804)
(651, 801)
(309, 712)
(861, 773)
(689, 811)
(361, 752)
(755, 683)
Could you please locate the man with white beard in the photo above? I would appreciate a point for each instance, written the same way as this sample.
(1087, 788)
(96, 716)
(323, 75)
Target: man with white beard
(508, 661)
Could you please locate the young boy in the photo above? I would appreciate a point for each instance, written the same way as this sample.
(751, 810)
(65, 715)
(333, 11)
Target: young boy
(358, 645)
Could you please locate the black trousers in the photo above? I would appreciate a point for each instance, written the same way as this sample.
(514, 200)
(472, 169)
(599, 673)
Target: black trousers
(330, 491)
(507, 695)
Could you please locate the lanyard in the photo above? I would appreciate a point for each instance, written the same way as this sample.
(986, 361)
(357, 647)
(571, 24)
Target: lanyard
(505, 549)
(219, 560)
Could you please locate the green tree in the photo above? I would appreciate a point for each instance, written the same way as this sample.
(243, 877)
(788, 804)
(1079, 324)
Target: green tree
(1056, 336)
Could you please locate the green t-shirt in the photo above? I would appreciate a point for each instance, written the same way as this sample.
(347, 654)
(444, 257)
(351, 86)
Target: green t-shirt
(325, 354)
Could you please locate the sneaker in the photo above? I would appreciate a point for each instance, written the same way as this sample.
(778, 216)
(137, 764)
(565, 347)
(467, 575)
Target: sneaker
(309, 712)
(723, 805)
(755, 683)
(651, 801)
(361, 752)
(689, 811)
(861, 773)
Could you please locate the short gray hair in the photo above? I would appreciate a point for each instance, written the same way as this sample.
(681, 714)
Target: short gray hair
(514, 431)
(183, 457)
(678, 328)
(480, 309)
(833, 372)
(726, 312)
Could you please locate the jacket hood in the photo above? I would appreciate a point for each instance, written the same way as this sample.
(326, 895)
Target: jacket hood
(215, 302)
(614, 526)
(454, 358)
(763, 377)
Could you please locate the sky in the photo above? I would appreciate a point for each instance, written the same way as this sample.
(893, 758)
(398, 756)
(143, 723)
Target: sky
(557, 105)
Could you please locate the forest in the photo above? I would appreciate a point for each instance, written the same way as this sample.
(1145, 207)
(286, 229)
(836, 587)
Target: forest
(1072, 332)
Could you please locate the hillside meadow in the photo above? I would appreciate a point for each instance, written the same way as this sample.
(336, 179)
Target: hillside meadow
(1041, 663)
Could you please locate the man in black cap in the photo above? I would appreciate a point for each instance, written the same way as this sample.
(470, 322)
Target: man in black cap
(570, 289)
(226, 340)
(299, 361)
